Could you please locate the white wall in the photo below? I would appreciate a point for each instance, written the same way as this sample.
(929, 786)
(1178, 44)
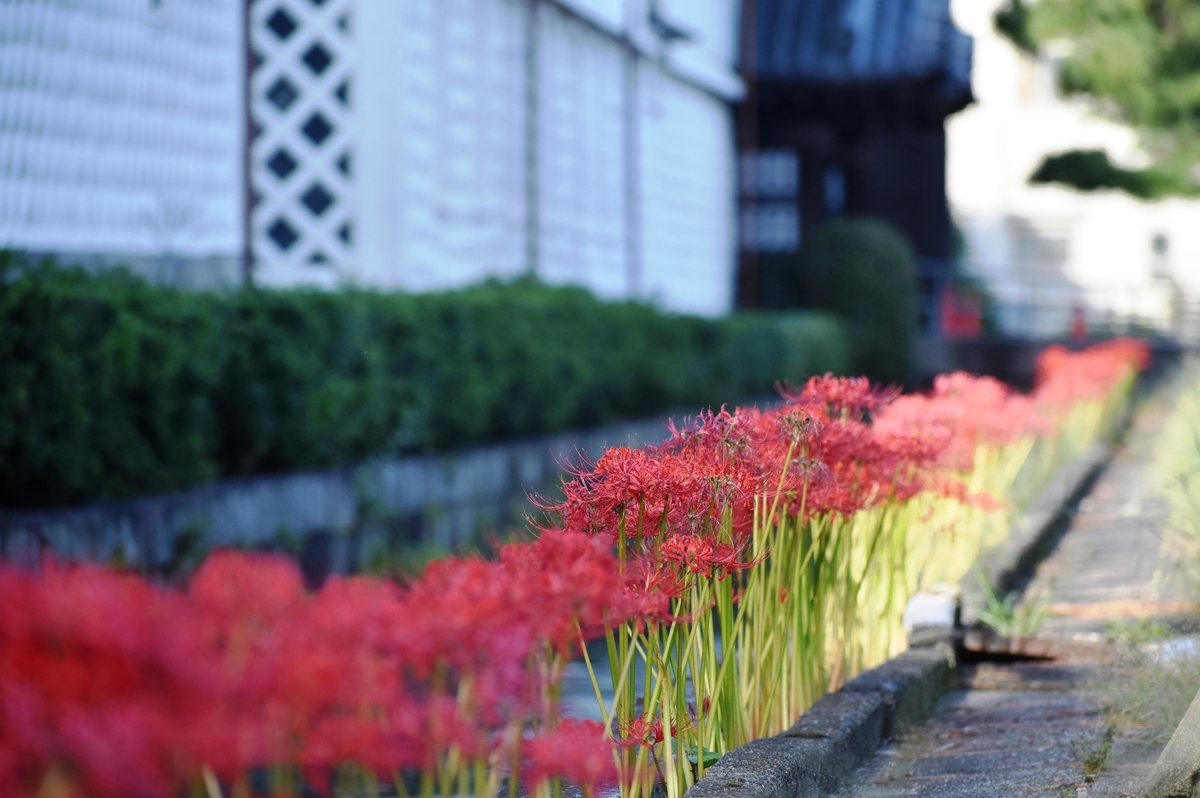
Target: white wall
(122, 131)
(712, 45)
(687, 195)
(120, 128)
(1048, 245)
(442, 142)
(631, 172)
(583, 219)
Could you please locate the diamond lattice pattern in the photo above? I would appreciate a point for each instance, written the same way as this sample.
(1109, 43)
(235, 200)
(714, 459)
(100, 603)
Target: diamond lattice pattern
(302, 227)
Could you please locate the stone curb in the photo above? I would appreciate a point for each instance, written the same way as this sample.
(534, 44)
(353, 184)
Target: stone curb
(837, 734)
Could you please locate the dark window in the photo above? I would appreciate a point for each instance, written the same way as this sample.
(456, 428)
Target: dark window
(342, 92)
(345, 164)
(317, 58)
(317, 199)
(770, 227)
(282, 163)
(317, 129)
(835, 191)
(770, 173)
(281, 23)
(282, 94)
(283, 234)
(770, 216)
(346, 233)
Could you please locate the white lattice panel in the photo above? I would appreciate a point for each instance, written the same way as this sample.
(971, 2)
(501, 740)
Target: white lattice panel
(303, 159)
(120, 127)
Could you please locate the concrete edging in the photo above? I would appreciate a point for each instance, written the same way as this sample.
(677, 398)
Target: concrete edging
(441, 499)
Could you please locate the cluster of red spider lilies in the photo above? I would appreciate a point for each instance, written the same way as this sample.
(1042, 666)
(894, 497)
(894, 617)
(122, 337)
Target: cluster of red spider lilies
(749, 563)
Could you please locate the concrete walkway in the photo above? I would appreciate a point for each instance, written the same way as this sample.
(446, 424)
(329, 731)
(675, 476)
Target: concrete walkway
(1043, 728)
(1108, 566)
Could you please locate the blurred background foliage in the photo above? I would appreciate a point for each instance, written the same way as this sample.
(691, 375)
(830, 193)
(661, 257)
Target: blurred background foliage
(1091, 170)
(111, 387)
(863, 271)
(1140, 61)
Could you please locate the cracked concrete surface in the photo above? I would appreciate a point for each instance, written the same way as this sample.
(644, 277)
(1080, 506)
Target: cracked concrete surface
(1027, 729)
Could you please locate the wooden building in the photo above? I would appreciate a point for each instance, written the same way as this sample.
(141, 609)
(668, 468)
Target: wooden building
(845, 114)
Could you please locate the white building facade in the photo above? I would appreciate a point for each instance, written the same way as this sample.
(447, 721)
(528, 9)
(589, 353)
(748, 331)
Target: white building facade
(121, 134)
(413, 144)
(588, 142)
(1049, 253)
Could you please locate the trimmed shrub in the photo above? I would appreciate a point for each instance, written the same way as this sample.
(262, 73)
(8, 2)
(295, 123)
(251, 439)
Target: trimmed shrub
(864, 271)
(111, 387)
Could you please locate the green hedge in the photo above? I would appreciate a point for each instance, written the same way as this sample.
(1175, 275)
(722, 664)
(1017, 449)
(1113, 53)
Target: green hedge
(111, 387)
(864, 270)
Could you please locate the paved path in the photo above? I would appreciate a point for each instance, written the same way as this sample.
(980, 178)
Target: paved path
(1039, 728)
(1107, 567)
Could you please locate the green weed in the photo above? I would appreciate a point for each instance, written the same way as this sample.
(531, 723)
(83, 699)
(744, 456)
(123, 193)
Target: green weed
(1010, 616)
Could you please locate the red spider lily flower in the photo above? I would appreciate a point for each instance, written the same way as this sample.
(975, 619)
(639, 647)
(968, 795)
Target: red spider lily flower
(1064, 378)
(236, 584)
(962, 413)
(841, 397)
(352, 668)
(117, 688)
(242, 604)
(576, 751)
(705, 706)
(649, 589)
(569, 581)
(96, 671)
(646, 732)
(699, 556)
(689, 553)
(743, 455)
(634, 490)
(951, 487)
